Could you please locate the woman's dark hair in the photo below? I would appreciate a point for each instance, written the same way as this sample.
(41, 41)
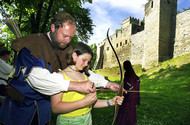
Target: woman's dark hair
(80, 48)
(129, 71)
(61, 18)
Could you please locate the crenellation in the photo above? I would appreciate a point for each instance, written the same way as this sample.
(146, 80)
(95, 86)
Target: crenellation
(134, 20)
(126, 21)
(129, 20)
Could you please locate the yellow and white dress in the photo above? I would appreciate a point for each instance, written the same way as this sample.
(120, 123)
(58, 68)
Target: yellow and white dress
(80, 116)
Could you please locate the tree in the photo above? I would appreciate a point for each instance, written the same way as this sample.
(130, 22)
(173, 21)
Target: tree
(94, 49)
(33, 16)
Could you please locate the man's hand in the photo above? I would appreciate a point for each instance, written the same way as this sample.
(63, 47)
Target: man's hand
(84, 87)
(114, 87)
(14, 94)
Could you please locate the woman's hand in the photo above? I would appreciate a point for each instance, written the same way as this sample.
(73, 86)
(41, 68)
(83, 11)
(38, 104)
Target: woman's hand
(118, 99)
(90, 98)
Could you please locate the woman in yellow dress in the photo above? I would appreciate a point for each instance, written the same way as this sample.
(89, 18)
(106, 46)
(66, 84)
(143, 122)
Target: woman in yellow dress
(74, 108)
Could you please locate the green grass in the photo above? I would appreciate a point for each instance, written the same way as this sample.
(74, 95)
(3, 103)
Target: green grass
(167, 97)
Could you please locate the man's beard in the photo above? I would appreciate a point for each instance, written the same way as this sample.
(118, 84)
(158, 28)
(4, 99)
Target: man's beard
(57, 43)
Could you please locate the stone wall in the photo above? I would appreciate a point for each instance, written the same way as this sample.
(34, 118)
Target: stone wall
(151, 41)
(137, 47)
(182, 39)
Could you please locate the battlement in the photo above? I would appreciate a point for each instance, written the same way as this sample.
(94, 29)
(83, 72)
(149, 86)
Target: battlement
(130, 20)
(134, 23)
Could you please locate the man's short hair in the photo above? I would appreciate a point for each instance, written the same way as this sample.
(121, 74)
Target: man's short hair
(61, 18)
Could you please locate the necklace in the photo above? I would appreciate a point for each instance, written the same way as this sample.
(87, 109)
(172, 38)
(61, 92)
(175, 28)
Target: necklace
(73, 69)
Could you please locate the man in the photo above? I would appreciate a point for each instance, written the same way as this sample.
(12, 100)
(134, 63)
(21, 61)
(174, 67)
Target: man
(5, 70)
(35, 78)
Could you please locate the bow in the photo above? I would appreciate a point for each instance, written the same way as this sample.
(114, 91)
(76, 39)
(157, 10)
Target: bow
(120, 91)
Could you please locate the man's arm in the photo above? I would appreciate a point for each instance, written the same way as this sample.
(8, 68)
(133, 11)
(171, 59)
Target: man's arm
(113, 86)
(45, 82)
(5, 67)
(100, 81)
(48, 83)
(84, 87)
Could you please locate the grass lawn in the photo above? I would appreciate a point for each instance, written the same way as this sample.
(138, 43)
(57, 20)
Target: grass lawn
(167, 97)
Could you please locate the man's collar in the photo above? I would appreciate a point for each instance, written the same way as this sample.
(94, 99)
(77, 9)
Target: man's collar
(48, 34)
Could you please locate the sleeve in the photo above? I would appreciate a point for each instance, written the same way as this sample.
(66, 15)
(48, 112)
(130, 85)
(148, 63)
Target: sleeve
(5, 68)
(45, 82)
(98, 79)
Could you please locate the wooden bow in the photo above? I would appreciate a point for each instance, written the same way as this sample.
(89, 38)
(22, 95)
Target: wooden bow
(120, 91)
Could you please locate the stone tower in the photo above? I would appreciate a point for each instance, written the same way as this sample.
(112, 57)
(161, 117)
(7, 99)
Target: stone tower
(160, 21)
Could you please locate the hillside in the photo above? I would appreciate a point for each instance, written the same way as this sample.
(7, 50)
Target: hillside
(114, 74)
(166, 98)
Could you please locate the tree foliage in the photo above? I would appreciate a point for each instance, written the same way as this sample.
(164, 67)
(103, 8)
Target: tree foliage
(94, 49)
(34, 16)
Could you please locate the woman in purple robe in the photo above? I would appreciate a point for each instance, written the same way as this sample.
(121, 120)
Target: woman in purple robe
(127, 111)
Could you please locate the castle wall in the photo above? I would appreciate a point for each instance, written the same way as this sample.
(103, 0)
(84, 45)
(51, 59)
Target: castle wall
(165, 36)
(137, 47)
(182, 40)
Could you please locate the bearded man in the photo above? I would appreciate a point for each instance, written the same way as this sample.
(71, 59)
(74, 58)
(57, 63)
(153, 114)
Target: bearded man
(35, 76)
